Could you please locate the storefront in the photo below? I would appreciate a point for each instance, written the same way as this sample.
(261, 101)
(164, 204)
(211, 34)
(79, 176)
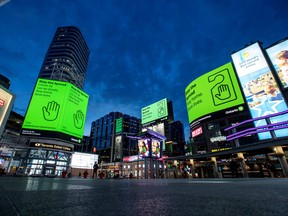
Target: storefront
(41, 158)
(12, 159)
(47, 162)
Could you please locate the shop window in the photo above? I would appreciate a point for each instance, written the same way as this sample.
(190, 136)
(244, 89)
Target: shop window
(50, 162)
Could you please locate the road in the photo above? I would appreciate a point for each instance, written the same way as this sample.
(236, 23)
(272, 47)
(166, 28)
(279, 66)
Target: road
(77, 196)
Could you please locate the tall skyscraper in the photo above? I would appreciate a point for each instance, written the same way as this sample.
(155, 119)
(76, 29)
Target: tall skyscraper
(67, 57)
(4, 81)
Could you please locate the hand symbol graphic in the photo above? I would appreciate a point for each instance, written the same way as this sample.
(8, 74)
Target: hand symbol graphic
(78, 119)
(50, 112)
(223, 92)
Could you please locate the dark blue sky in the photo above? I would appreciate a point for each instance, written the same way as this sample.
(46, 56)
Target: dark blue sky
(141, 50)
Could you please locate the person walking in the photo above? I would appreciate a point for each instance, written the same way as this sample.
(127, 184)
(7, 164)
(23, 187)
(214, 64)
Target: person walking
(95, 169)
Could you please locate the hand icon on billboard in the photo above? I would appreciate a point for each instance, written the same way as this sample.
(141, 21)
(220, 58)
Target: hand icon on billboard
(78, 119)
(223, 92)
(50, 112)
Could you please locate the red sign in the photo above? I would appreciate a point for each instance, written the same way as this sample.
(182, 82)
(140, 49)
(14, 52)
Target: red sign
(198, 131)
(2, 102)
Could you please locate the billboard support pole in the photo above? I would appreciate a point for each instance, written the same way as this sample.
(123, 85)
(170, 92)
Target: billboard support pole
(146, 169)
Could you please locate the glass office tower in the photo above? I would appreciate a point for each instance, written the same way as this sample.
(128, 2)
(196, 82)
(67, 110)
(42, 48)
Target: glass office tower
(67, 57)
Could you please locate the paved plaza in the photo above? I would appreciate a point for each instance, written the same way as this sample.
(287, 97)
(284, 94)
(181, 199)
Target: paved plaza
(77, 196)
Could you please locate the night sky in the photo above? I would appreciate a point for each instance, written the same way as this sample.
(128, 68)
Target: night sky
(141, 50)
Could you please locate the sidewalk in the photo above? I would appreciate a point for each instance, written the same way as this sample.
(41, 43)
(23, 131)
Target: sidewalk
(78, 196)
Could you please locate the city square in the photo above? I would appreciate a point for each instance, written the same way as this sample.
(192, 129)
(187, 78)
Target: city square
(143, 107)
(77, 196)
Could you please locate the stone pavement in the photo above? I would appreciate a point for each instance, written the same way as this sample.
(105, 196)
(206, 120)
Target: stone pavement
(77, 196)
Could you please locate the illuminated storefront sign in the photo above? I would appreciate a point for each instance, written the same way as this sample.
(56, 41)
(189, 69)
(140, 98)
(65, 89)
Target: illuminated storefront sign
(218, 139)
(261, 91)
(50, 146)
(221, 149)
(198, 131)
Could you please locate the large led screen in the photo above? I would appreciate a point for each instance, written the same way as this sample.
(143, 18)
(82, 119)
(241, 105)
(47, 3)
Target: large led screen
(119, 125)
(57, 109)
(143, 146)
(260, 88)
(215, 91)
(155, 148)
(118, 143)
(159, 128)
(279, 57)
(6, 103)
(83, 160)
(154, 111)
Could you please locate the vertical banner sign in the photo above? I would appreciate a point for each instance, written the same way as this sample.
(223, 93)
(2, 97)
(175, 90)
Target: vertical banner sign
(155, 148)
(262, 93)
(118, 141)
(119, 125)
(278, 55)
(144, 148)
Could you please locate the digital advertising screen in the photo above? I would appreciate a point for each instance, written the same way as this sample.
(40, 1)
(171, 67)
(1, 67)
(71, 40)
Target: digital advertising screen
(83, 160)
(6, 104)
(119, 124)
(159, 128)
(156, 148)
(278, 55)
(154, 111)
(261, 91)
(118, 143)
(58, 110)
(214, 93)
(143, 147)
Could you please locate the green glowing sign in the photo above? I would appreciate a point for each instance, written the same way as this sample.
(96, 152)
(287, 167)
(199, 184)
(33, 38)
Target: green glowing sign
(214, 91)
(119, 123)
(57, 109)
(155, 111)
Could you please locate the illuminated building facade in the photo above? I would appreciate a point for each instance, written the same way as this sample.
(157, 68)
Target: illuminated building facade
(241, 115)
(108, 136)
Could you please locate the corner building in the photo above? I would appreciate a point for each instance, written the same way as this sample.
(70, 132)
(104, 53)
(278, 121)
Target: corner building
(66, 60)
(242, 133)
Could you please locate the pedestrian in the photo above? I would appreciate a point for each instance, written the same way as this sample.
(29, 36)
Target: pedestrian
(95, 169)
(234, 168)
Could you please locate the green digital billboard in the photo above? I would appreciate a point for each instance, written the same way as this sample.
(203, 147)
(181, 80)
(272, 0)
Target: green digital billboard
(119, 123)
(58, 110)
(154, 111)
(217, 90)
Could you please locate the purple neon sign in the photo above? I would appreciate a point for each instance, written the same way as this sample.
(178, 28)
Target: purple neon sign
(259, 129)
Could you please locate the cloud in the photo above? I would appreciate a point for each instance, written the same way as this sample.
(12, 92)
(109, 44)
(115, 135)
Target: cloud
(141, 51)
